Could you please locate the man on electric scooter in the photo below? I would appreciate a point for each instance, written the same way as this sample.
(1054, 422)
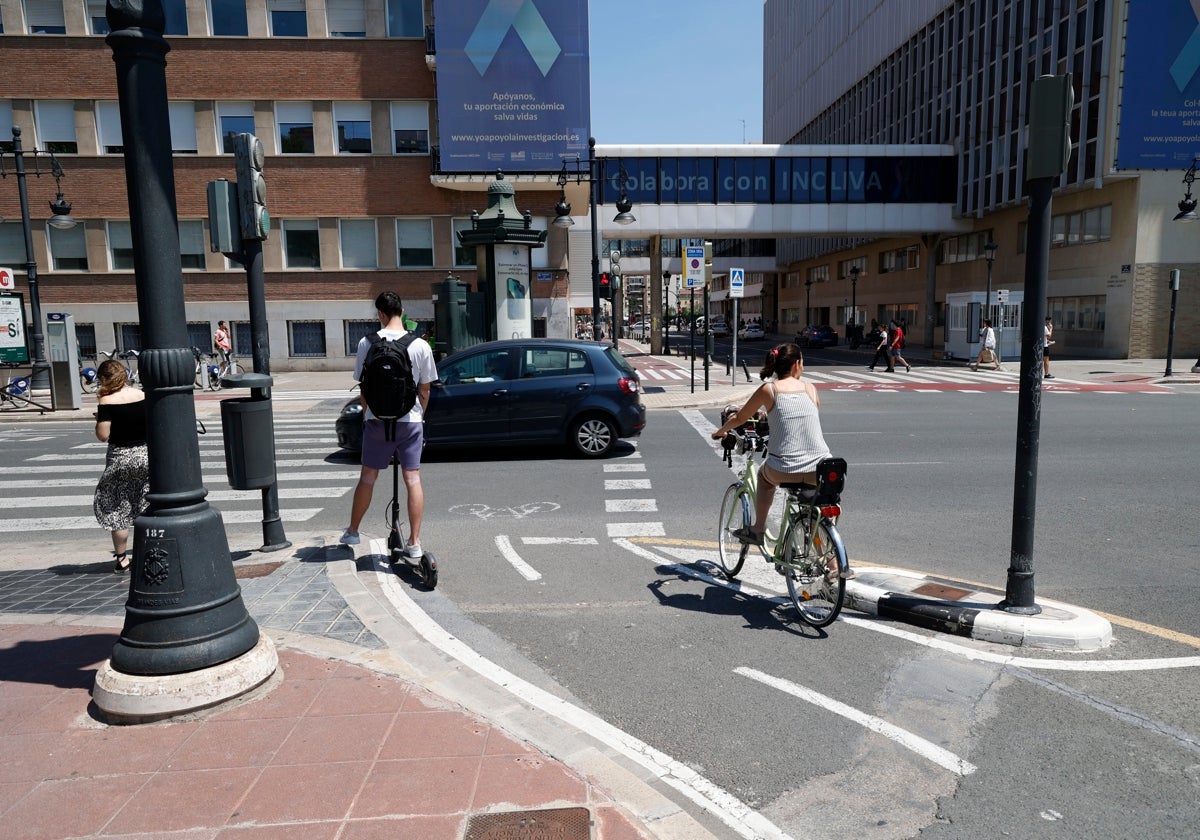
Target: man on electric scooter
(377, 451)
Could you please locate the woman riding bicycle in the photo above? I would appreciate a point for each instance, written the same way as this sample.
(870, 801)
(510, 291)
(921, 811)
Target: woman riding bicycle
(796, 443)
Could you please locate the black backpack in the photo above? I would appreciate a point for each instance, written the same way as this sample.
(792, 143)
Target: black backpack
(387, 380)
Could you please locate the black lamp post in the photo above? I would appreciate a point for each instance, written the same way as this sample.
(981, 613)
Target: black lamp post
(989, 255)
(1187, 213)
(61, 219)
(808, 283)
(562, 215)
(854, 270)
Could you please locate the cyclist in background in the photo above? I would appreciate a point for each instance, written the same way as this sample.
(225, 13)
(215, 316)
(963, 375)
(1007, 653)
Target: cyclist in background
(221, 341)
(796, 444)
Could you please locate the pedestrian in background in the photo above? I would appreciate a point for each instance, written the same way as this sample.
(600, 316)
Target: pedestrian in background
(988, 336)
(221, 341)
(121, 423)
(881, 352)
(1047, 332)
(897, 336)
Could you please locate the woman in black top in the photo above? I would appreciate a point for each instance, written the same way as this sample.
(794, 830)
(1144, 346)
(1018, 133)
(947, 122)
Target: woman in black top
(121, 491)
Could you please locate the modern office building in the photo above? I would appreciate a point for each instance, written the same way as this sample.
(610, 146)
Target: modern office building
(343, 95)
(959, 73)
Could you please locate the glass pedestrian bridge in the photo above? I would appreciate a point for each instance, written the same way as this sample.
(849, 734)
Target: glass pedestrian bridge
(766, 191)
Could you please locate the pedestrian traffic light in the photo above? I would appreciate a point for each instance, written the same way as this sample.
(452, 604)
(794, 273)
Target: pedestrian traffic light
(604, 285)
(251, 187)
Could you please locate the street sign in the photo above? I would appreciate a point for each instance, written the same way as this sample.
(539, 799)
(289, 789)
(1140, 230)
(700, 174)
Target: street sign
(693, 267)
(737, 282)
(12, 328)
(8, 283)
(1001, 296)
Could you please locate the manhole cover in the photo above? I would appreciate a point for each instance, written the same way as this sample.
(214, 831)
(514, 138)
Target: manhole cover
(550, 824)
(942, 593)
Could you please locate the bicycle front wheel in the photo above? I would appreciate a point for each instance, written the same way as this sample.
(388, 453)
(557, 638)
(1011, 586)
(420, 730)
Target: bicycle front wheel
(735, 513)
(89, 384)
(813, 579)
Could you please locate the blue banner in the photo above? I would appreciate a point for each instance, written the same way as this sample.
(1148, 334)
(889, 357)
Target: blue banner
(1160, 106)
(513, 84)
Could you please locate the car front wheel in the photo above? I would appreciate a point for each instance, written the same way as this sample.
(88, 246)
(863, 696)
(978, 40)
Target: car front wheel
(593, 436)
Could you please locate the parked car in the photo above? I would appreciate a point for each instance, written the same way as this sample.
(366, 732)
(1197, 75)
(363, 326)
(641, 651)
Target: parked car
(579, 393)
(817, 336)
(751, 332)
(719, 328)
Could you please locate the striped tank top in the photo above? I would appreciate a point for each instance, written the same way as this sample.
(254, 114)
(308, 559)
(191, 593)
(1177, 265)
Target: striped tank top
(797, 444)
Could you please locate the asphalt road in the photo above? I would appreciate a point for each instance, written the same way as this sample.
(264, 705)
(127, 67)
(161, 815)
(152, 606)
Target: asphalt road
(592, 579)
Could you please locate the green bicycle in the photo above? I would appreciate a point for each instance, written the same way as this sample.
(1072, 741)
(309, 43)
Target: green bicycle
(807, 548)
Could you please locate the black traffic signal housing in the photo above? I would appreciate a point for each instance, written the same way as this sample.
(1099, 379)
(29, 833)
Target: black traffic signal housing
(251, 187)
(604, 285)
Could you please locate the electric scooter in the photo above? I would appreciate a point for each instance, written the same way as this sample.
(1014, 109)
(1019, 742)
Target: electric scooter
(426, 567)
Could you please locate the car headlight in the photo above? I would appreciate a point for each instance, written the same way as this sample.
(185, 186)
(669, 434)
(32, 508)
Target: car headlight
(352, 408)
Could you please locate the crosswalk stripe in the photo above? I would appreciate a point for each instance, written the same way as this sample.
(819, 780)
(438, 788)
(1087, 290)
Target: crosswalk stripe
(281, 465)
(24, 502)
(80, 523)
(210, 480)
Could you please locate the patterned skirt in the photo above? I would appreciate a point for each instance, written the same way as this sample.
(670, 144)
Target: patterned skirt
(121, 491)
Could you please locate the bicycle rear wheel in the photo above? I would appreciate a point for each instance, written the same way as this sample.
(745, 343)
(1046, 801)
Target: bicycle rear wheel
(818, 599)
(735, 513)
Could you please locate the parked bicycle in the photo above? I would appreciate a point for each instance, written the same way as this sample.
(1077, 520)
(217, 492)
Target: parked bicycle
(125, 357)
(89, 381)
(15, 392)
(229, 367)
(206, 370)
(805, 547)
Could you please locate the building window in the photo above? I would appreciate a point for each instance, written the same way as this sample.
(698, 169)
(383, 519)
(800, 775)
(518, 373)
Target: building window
(56, 127)
(405, 19)
(464, 257)
(129, 337)
(965, 248)
(1084, 227)
(288, 18)
(414, 243)
(346, 18)
(243, 338)
(356, 331)
(359, 249)
(306, 338)
(227, 17)
(120, 247)
(68, 248)
(108, 124)
(191, 245)
(352, 121)
(176, 15)
(900, 259)
(6, 123)
(182, 116)
(234, 118)
(199, 334)
(295, 123)
(301, 244)
(12, 245)
(45, 17)
(99, 23)
(410, 128)
(85, 337)
(817, 274)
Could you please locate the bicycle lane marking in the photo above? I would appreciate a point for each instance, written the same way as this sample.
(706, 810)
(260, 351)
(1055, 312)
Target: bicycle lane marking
(510, 554)
(740, 817)
(926, 749)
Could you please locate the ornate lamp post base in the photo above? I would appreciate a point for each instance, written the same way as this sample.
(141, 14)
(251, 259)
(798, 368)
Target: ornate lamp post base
(128, 699)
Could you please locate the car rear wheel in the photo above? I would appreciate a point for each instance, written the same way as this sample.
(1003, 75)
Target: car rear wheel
(593, 436)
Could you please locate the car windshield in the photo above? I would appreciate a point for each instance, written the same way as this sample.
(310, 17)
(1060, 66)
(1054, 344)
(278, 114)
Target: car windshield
(620, 361)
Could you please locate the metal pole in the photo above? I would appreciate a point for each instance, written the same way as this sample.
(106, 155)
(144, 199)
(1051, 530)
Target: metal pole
(593, 186)
(1171, 329)
(185, 611)
(40, 375)
(1019, 597)
(274, 538)
(733, 347)
(692, 317)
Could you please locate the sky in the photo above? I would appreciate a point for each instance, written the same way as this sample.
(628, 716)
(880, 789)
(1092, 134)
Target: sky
(676, 71)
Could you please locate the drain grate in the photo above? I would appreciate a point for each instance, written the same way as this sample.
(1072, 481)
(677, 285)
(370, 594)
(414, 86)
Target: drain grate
(549, 824)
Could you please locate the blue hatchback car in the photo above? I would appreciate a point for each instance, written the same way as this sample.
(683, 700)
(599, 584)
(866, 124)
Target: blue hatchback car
(583, 394)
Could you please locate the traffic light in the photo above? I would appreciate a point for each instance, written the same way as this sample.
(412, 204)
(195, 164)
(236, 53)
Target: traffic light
(604, 284)
(251, 187)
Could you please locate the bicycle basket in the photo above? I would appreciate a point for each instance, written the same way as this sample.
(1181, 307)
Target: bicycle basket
(831, 479)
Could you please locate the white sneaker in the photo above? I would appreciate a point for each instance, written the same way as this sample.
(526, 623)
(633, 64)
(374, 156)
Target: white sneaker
(349, 537)
(413, 552)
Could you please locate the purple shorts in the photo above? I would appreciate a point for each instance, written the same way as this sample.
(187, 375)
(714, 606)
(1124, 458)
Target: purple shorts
(377, 452)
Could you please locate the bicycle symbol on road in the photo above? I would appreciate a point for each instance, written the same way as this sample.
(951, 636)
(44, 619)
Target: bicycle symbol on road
(518, 512)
